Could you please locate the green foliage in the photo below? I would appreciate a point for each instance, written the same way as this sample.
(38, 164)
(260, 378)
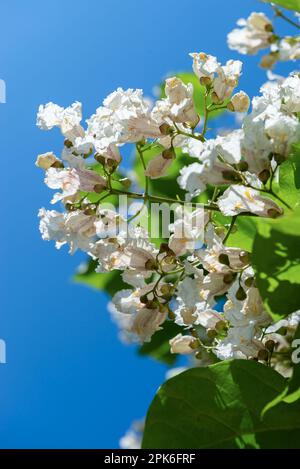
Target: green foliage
(289, 178)
(289, 4)
(110, 282)
(244, 234)
(276, 259)
(159, 347)
(220, 407)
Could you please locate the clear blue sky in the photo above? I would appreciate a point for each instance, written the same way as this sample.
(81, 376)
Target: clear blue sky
(68, 381)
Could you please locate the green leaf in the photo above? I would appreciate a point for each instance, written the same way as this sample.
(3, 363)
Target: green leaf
(199, 91)
(220, 407)
(276, 260)
(289, 178)
(110, 282)
(289, 4)
(244, 236)
(159, 347)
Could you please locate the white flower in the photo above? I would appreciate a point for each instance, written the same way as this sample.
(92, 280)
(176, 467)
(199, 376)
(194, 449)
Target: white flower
(229, 146)
(238, 199)
(46, 160)
(179, 104)
(255, 34)
(51, 115)
(182, 344)
(106, 224)
(283, 130)
(73, 228)
(158, 166)
(204, 66)
(124, 117)
(290, 93)
(240, 102)
(52, 226)
(187, 230)
(209, 319)
(227, 79)
(210, 258)
(70, 181)
(189, 301)
(288, 48)
(146, 323)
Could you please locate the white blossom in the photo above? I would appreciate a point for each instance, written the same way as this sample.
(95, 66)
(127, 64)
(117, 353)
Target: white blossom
(254, 34)
(182, 344)
(238, 199)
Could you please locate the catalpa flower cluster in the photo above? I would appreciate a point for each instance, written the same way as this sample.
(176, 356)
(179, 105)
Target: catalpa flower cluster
(257, 33)
(185, 277)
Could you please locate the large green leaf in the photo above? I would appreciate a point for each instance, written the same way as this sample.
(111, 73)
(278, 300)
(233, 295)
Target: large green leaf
(289, 178)
(276, 259)
(244, 235)
(220, 407)
(159, 347)
(289, 4)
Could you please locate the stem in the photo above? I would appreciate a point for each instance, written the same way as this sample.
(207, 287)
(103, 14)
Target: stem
(233, 219)
(280, 199)
(204, 129)
(280, 14)
(140, 152)
(186, 134)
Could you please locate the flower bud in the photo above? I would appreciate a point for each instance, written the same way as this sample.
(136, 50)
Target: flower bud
(165, 129)
(98, 188)
(215, 98)
(48, 160)
(245, 257)
(231, 176)
(125, 182)
(211, 333)
(243, 166)
(249, 282)
(57, 164)
(263, 355)
(229, 278)
(205, 81)
(241, 294)
(240, 102)
(279, 158)
(169, 154)
(150, 264)
(144, 299)
(273, 213)
(68, 143)
(152, 304)
(89, 210)
(167, 289)
(182, 344)
(224, 259)
(264, 176)
(99, 158)
(270, 344)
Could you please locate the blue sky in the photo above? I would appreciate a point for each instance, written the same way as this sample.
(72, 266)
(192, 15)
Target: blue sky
(68, 381)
